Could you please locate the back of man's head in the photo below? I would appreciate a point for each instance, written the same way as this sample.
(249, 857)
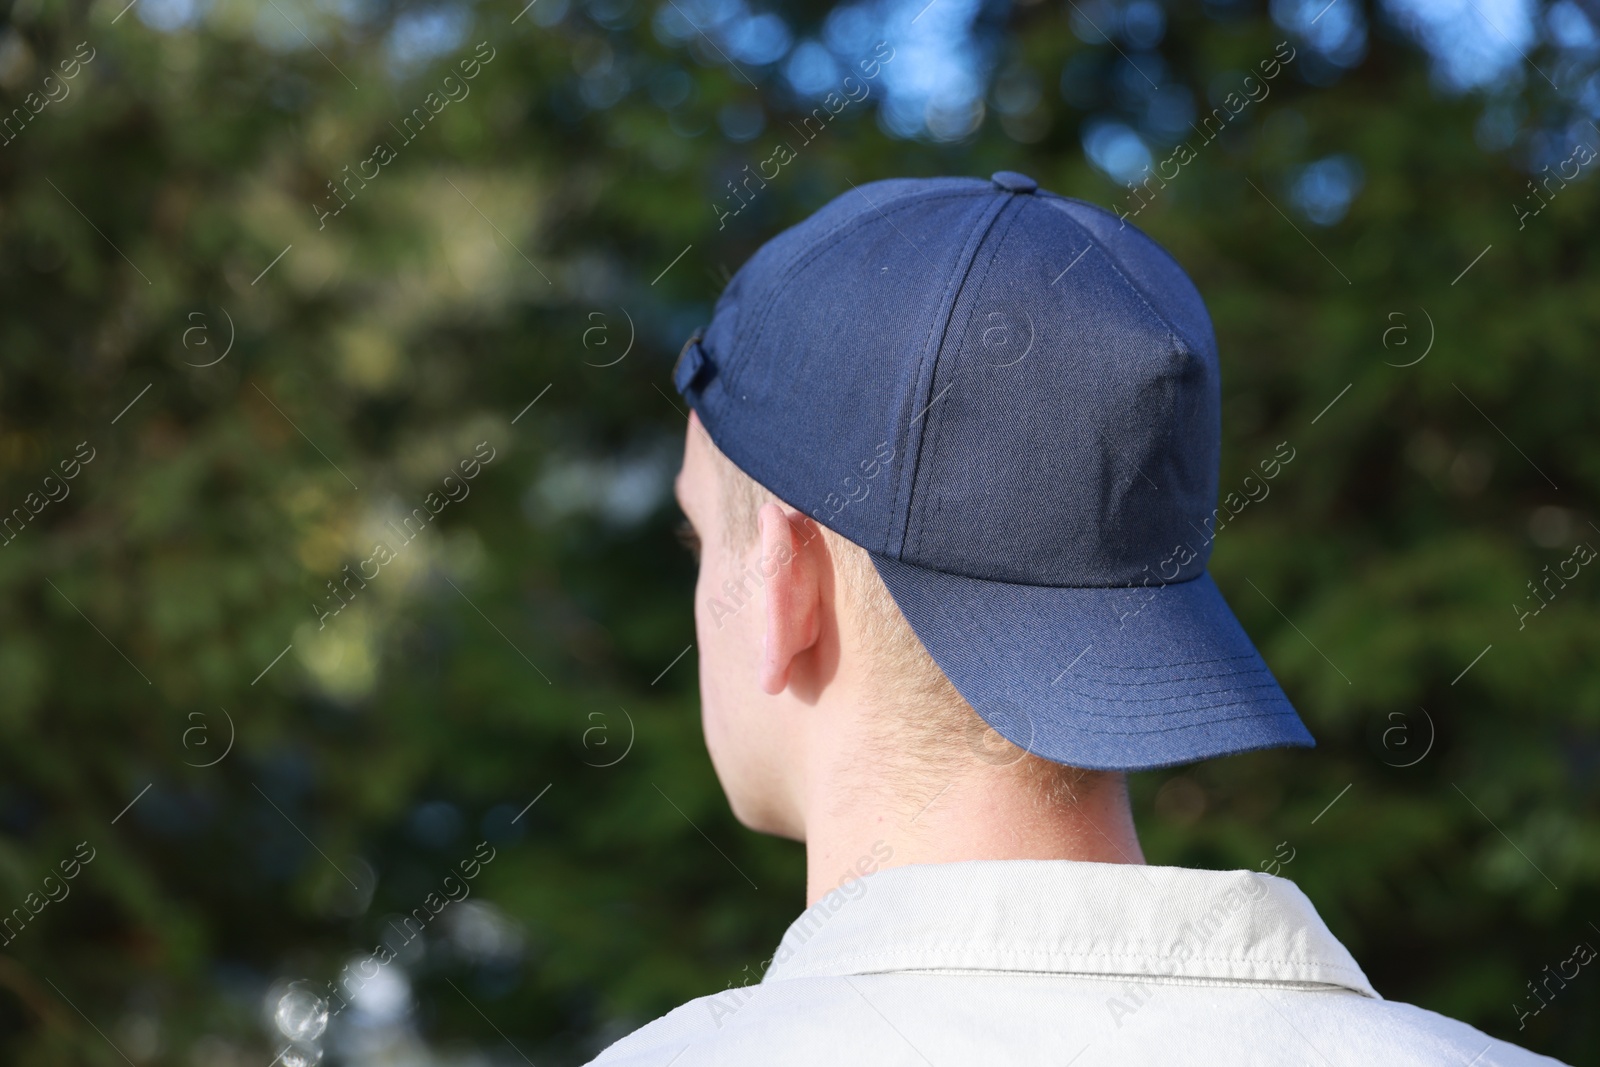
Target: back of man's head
(925, 730)
(1007, 403)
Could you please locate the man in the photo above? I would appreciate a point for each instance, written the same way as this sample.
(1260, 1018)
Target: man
(951, 472)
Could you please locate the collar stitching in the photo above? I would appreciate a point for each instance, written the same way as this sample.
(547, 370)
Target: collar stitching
(1036, 953)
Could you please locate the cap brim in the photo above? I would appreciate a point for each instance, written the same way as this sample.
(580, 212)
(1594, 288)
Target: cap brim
(1101, 678)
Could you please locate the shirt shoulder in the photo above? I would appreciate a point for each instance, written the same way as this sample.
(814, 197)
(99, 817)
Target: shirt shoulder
(1426, 1033)
(661, 1041)
(1007, 1020)
(1015, 963)
(777, 1024)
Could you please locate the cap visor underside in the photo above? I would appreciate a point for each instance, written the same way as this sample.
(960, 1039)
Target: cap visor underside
(1101, 678)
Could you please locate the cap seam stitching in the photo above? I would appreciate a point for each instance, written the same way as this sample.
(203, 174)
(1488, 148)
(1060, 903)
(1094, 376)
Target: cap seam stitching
(823, 243)
(1186, 665)
(1165, 323)
(1159, 666)
(938, 434)
(1257, 716)
(1270, 684)
(964, 272)
(1162, 320)
(1043, 585)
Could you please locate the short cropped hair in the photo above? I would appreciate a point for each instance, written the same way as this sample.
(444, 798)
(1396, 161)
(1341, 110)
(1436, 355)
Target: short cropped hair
(928, 718)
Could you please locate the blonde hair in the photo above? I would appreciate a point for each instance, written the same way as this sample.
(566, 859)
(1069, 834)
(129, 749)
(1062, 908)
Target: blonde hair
(945, 733)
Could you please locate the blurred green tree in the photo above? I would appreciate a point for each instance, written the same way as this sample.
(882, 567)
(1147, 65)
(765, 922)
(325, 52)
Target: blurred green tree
(274, 274)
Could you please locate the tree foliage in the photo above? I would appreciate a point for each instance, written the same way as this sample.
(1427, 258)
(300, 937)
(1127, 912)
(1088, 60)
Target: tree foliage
(274, 763)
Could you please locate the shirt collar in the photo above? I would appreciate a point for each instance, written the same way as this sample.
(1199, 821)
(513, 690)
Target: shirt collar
(1068, 917)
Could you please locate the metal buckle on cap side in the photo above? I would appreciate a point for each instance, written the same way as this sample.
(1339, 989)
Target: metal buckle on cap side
(693, 365)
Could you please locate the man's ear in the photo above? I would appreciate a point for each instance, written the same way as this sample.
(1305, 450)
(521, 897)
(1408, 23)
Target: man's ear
(791, 567)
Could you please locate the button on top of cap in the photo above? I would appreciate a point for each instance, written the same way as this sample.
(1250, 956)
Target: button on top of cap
(1012, 182)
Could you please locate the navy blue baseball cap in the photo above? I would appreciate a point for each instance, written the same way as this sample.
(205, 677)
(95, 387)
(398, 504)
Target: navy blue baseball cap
(1011, 400)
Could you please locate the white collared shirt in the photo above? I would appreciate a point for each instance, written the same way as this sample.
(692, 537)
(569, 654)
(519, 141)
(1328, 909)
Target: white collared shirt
(999, 962)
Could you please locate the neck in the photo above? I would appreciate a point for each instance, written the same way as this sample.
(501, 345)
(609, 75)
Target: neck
(863, 817)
